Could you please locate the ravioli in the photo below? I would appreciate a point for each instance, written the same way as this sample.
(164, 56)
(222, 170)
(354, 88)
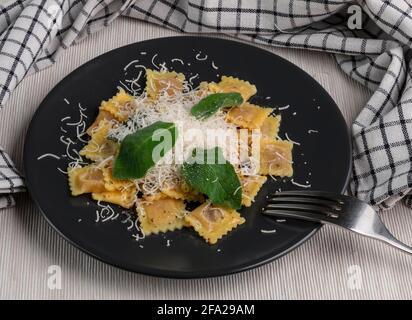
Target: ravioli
(158, 82)
(230, 84)
(125, 198)
(248, 116)
(102, 116)
(213, 222)
(119, 106)
(161, 215)
(250, 188)
(182, 190)
(202, 89)
(85, 180)
(270, 126)
(99, 147)
(276, 157)
(154, 197)
(113, 184)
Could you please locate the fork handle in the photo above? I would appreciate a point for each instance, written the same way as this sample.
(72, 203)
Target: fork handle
(383, 235)
(380, 232)
(391, 240)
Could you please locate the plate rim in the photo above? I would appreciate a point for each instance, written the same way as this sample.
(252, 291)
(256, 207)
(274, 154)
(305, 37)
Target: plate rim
(161, 273)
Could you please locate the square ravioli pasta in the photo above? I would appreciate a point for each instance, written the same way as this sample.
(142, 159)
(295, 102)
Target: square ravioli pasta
(250, 188)
(100, 183)
(119, 106)
(270, 127)
(160, 215)
(86, 179)
(158, 83)
(231, 84)
(212, 222)
(276, 157)
(99, 146)
(248, 116)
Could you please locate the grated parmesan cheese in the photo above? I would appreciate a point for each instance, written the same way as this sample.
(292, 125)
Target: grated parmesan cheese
(178, 60)
(192, 133)
(200, 58)
(153, 63)
(268, 231)
(51, 155)
(290, 140)
(299, 184)
(284, 108)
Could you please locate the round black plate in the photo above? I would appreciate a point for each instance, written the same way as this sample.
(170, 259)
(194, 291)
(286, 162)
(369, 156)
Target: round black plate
(322, 159)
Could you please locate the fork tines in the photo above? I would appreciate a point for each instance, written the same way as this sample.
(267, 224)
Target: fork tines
(311, 205)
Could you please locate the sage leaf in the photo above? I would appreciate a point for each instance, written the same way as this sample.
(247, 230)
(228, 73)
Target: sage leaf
(218, 181)
(139, 151)
(213, 102)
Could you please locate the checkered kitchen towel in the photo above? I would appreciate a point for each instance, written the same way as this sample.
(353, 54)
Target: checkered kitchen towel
(371, 40)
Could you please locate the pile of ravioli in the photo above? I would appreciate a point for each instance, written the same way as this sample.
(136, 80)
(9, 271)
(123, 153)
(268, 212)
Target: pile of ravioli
(166, 210)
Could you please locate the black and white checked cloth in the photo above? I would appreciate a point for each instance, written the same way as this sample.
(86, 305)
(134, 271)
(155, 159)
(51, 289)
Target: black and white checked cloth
(378, 54)
(10, 180)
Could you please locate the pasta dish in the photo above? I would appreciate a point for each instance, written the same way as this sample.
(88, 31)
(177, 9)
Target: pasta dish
(182, 156)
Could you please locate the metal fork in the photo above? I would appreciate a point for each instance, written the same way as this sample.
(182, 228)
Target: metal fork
(330, 208)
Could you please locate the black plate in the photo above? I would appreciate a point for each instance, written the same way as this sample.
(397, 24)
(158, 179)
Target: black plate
(322, 159)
